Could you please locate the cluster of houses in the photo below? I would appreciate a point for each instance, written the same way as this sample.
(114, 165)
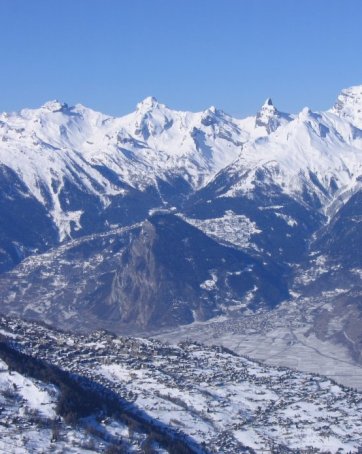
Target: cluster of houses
(220, 399)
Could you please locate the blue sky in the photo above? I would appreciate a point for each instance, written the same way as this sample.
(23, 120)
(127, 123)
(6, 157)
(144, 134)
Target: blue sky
(190, 54)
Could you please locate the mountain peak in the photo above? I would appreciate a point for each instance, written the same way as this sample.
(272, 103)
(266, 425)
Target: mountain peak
(354, 91)
(55, 105)
(349, 105)
(210, 116)
(305, 112)
(267, 117)
(212, 109)
(148, 103)
(268, 102)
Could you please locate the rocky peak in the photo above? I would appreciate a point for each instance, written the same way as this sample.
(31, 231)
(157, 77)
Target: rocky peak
(55, 106)
(211, 116)
(152, 118)
(269, 117)
(349, 105)
(148, 103)
(268, 102)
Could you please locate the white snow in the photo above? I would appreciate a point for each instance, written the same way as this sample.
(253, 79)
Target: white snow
(349, 105)
(230, 228)
(55, 144)
(316, 152)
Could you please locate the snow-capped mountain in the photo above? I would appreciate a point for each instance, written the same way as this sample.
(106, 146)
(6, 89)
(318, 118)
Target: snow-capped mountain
(57, 145)
(288, 183)
(145, 193)
(348, 105)
(77, 171)
(270, 118)
(313, 158)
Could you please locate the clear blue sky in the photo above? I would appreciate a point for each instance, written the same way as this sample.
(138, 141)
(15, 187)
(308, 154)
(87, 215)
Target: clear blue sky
(190, 54)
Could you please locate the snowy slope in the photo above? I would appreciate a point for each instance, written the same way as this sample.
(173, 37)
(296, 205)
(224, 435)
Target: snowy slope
(57, 146)
(44, 408)
(224, 402)
(317, 153)
(349, 105)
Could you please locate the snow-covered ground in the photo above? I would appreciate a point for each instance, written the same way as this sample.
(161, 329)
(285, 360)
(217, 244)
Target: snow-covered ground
(30, 424)
(222, 401)
(282, 337)
(232, 228)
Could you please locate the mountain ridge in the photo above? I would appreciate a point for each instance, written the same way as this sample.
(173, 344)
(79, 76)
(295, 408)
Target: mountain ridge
(277, 191)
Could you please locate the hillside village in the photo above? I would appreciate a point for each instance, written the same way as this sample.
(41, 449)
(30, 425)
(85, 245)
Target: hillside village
(224, 402)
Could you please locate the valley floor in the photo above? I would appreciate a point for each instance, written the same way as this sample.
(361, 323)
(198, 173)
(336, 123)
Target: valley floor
(278, 338)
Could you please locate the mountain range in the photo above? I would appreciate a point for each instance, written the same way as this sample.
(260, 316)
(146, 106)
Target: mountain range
(161, 218)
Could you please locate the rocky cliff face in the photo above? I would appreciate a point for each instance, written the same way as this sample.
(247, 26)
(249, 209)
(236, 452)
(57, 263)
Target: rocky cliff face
(161, 273)
(172, 273)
